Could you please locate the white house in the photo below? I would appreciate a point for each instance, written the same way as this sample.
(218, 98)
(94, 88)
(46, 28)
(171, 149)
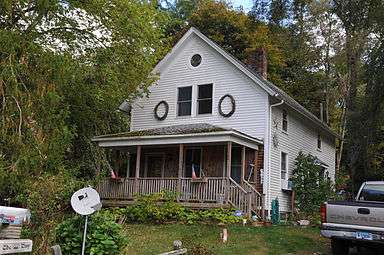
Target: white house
(217, 132)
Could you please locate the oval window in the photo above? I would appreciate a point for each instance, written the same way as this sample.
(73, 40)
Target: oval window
(196, 60)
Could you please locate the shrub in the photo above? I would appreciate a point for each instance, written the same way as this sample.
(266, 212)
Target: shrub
(104, 235)
(162, 207)
(311, 188)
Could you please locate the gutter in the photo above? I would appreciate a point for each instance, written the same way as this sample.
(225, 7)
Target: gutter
(269, 147)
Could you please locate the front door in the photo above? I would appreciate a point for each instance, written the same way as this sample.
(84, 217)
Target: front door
(154, 165)
(192, 160)
(236, 164)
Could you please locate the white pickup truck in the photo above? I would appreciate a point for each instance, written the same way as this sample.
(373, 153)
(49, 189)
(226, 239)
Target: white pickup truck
(356, 223)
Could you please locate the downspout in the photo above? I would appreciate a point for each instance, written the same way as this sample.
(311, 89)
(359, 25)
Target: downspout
(269, 149)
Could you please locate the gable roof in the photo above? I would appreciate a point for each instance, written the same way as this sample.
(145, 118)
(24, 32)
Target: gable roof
(268, 86)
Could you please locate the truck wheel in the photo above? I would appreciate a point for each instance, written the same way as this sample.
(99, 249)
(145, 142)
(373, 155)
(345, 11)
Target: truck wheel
(339, 247)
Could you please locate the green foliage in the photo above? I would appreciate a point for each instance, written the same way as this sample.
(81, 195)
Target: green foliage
(162, 207)
(104, 234)
(311, 187)
(64, 69)
(48, 197)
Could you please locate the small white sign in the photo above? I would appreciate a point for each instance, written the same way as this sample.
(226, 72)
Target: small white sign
(11, 246)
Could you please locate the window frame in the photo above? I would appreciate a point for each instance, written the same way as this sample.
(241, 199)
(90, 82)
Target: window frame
(286, 165)
(198, 100)
(184, 101)
(284, 122)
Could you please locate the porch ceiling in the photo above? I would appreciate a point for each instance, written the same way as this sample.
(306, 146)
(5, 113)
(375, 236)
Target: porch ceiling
(185, 134)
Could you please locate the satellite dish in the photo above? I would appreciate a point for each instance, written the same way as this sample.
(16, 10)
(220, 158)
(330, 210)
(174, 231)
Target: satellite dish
(86, 201)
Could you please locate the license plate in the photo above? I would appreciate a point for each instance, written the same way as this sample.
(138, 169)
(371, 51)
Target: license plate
(364, 236)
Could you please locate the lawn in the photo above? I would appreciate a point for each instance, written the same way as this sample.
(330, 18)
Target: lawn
(205, 239)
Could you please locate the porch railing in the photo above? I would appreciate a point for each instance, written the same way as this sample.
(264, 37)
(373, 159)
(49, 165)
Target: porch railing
(238, 196)
(256, 199)
(121, 189)
(156, 184)
(217, 190)
(212, 190)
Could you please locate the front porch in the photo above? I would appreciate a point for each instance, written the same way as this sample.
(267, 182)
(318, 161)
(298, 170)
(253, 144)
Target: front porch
(206, 169)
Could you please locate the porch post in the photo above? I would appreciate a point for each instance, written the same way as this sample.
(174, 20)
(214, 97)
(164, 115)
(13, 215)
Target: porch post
(128, 164)
(255, 168)
(180, 171)
(243, 166)
(229, 159)
(137, 172)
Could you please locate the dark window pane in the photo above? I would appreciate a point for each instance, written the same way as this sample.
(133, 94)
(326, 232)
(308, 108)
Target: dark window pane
(285, 120)
(205, 91)
(283, 165)
(205, 106)
(318, 141)
(185, 94)
(184, 108)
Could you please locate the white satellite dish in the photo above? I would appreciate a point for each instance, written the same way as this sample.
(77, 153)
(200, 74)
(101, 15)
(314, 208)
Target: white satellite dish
(86, 201)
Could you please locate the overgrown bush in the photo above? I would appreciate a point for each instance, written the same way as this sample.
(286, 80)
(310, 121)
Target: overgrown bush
(104, 235)
(48, 199)
(162, 207)
(311, 187)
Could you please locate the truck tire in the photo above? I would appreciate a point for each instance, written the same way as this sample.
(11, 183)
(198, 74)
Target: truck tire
(339, 247)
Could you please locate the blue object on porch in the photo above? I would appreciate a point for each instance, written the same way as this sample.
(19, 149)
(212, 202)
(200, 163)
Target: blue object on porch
(275, 215)
(238, 213)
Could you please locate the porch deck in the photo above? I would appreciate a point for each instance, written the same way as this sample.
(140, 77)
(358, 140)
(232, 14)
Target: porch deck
(212, 192)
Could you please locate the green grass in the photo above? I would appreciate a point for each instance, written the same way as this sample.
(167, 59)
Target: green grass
(205, 239)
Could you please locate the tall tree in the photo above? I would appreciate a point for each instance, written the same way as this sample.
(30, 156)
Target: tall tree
(278, 11)
(356, 17)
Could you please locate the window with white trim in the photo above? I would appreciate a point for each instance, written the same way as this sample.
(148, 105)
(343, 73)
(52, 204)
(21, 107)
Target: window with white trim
(184, 101)
(285, 121)
(284, 165)
(204, 99)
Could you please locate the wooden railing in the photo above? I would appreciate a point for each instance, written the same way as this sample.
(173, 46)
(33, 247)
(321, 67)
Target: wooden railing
(256, 199)
(117, 189)
(210, 189)
(238, 197)
(156, 184)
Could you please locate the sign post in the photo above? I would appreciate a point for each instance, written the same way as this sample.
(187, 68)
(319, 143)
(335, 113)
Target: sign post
(85, 202)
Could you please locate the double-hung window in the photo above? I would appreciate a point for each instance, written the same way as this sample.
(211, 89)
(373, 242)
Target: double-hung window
(204, 99)
(318, 141)
(285, 121)
(184, 101)
(284, 165)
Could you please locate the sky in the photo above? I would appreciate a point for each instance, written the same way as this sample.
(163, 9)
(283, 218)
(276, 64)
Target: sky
(247, 4)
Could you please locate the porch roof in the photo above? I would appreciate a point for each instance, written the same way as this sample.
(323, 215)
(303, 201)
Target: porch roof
(186, 134)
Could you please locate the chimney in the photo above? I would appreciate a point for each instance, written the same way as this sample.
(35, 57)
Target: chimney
(257, 60)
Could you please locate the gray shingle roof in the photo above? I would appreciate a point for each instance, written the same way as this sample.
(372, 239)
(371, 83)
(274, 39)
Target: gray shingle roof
(170, 130)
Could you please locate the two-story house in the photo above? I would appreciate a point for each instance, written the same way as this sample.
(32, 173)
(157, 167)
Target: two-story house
(215, 131)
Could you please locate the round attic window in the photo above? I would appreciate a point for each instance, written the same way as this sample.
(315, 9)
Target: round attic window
(196, 60)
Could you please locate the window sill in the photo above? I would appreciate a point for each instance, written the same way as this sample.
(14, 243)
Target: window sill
(204, 114)
(284, 132)
(319, 150)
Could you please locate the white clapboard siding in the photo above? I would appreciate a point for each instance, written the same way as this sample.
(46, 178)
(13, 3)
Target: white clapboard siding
(251, 100)
(301, 136)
